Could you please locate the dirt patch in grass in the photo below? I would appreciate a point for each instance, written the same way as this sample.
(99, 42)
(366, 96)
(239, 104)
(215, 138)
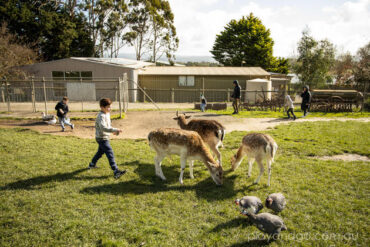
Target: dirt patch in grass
(345, 157)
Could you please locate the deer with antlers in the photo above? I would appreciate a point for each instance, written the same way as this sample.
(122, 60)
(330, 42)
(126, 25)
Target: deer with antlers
(188, 145)
(211, 131)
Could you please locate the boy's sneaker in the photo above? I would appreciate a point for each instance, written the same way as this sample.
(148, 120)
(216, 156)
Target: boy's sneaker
(72, 126)
(63, 130)
(118, 173)
(92, 165)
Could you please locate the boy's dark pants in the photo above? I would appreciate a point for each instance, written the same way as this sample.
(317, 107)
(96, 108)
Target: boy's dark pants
(290, 110)
(105, 148)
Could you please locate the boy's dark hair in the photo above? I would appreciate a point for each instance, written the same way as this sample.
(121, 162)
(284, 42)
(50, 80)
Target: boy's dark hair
(105, 102)
(65, 98)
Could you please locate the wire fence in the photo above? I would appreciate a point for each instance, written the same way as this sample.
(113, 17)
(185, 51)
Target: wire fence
(41, 94)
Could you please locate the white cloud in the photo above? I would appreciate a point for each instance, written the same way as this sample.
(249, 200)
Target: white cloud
(347, 24)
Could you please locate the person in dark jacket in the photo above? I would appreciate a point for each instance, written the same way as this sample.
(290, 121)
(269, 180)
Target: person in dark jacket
(62, 110)
(236, 97)
(306, 100)
(203, 103)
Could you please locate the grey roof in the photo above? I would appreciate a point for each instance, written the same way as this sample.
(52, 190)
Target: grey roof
(121, 62)
(224, 71)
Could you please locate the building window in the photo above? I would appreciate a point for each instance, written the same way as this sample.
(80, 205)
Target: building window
(186, 81)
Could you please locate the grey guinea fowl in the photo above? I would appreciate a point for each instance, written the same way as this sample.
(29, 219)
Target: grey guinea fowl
(266, 222)
(250, 203)
(276, 202)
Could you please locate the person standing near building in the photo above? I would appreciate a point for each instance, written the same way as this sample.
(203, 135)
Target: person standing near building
(306, 100)
(236, 97)
(203, 103)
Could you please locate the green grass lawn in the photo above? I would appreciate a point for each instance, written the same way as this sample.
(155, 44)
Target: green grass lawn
(282, 114)
(49, 198)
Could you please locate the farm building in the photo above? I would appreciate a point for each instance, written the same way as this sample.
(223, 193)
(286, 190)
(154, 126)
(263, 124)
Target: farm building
(184, 84)
(70, 71)
(89, 79)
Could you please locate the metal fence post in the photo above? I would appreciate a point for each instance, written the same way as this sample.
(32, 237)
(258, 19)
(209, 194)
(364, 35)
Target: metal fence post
(172, 95)
(7, 94)
(119, 97)
(33, 95)
(43, 83)
(82, 98)
(203, 85)
(144, 95)
(228, 91)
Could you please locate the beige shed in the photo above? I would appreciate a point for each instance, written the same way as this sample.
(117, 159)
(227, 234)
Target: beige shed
(259, 85)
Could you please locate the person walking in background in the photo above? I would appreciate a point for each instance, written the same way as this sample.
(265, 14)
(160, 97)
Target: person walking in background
(203, 103)
(306, 100)
(62, 110)
(236, 97)
(103, 129)
(289, 104)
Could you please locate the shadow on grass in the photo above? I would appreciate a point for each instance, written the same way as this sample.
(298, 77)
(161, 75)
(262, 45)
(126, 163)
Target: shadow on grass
(255, 242)
(33, 123)
(149, 183)
(232, 223)
(28, 184)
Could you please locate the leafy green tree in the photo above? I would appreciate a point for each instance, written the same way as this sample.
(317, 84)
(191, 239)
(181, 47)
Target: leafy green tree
(247, 42)
(48, 26)
(315, 61)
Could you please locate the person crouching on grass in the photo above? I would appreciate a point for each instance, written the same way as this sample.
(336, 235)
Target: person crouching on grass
(62, 110)
(103, 129)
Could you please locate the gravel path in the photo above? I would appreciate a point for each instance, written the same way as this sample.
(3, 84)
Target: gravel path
(138, 124)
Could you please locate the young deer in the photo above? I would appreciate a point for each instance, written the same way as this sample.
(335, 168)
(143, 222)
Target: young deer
(188, 145)
(211, 131)
(257, 147)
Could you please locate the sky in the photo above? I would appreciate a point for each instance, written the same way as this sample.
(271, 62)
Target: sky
(344, 23)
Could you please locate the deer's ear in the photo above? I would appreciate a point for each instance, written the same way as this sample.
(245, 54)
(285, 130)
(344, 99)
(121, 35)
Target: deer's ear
(175, 118)
(186, 117)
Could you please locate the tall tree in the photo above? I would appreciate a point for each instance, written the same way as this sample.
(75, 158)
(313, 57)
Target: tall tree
(344, 69)
(139, 19)
(163, 39)
(246, 42)
(315, 60)
(362, 68)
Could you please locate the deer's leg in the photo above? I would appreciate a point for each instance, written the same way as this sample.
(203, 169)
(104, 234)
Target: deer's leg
(215, 150)
(183, 165)
(191, 163)
(250, 162)
(158, 169)
(269, 171)
(262, 169)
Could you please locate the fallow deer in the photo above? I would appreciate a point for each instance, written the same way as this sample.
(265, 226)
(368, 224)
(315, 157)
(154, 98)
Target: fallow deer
(188, 145)
(256, 146)
(211, 131)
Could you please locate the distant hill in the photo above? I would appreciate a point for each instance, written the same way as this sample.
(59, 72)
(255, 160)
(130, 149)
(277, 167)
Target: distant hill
(179, 58)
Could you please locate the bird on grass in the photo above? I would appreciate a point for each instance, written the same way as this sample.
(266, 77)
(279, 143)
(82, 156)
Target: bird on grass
(250, 203)
(49, 119)
(266, 222)
(276, 202)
